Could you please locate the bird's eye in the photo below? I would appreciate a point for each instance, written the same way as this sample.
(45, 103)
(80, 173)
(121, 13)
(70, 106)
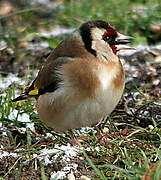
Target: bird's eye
(109, 39)
(106, 38)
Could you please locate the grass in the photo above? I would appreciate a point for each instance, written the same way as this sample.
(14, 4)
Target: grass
(122, 154)
(133, 18)
(131, 145)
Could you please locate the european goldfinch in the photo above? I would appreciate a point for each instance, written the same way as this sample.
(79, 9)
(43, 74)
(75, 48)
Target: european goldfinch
(82, 79)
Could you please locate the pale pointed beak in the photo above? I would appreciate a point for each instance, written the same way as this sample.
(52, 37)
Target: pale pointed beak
(124, 47)
(122, 39)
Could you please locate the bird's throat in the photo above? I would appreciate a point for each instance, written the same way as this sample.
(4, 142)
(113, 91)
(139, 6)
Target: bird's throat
(113, 47)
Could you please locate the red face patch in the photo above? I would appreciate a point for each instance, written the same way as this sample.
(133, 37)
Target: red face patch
(111, 32)
(113, 47)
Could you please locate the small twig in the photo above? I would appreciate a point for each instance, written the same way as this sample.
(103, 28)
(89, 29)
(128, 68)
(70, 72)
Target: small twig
(134, 132)
(12, 167)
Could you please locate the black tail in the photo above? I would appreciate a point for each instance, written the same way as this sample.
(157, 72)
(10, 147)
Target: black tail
(21, 97)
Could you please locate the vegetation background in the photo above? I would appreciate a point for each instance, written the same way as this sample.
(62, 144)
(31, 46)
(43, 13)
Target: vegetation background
(129, 147)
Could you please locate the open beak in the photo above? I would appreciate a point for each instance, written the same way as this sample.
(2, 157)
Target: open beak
(121, 41)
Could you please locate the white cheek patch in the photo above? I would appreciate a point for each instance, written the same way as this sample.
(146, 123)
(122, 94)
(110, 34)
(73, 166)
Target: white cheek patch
(103, 50)
(97, 33)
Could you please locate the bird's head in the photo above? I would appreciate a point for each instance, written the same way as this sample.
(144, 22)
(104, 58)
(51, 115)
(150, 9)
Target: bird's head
(98, 35)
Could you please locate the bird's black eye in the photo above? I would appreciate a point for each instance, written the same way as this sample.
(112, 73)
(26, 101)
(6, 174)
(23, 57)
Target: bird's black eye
(106, 38)
(109, 39)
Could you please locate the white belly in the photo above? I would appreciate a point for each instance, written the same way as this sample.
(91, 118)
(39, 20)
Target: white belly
(62, 111)
(64, 108)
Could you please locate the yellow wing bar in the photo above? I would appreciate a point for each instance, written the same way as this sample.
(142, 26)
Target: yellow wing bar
(34, 92)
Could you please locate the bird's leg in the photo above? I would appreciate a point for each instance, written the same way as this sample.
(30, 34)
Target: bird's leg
(73, 139)
(60, 136)
(103, 123)
(98, 129)
(101, 129)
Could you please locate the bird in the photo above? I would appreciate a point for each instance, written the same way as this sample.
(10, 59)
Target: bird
(82, 80)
